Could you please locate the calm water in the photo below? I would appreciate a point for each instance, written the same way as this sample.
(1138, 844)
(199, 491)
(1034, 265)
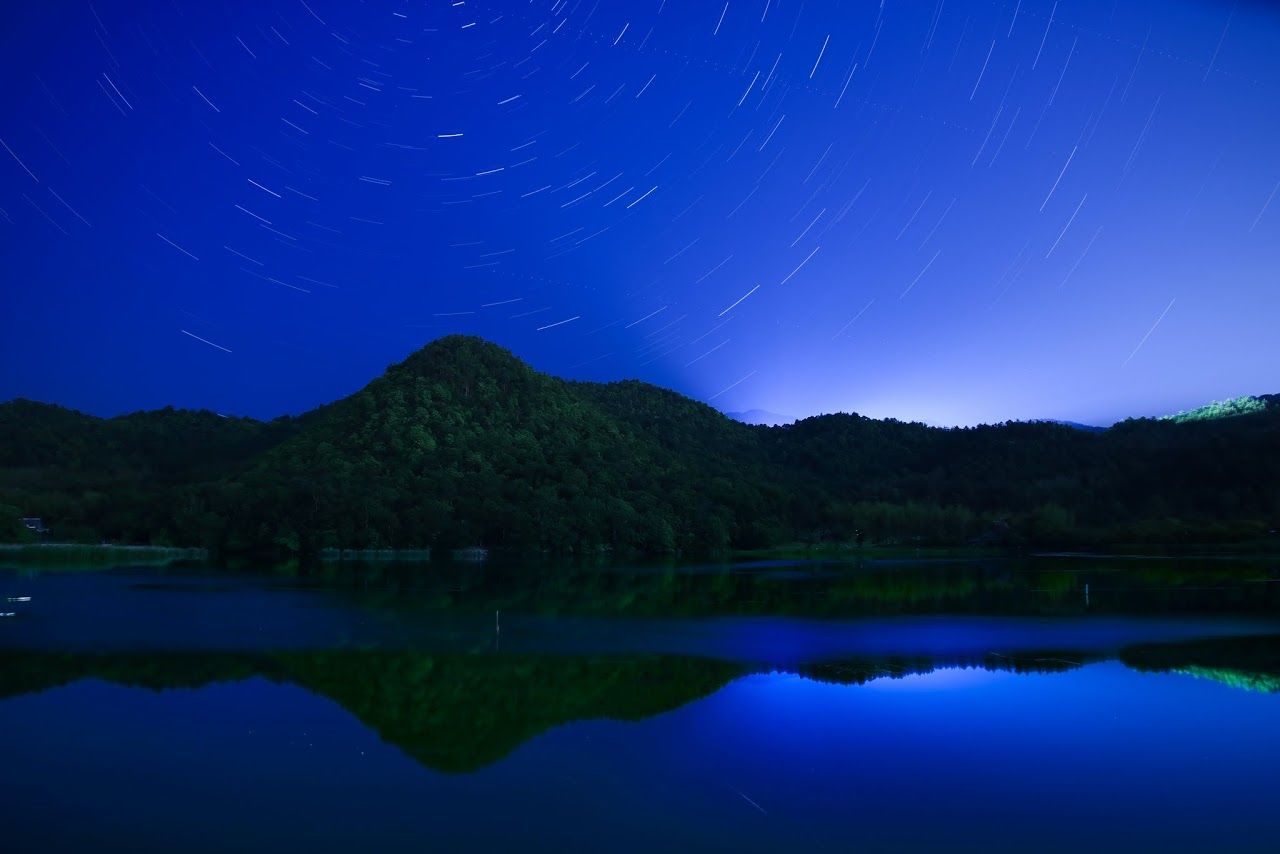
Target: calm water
(1050, 704)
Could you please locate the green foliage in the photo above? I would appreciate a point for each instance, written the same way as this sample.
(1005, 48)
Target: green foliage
(462, 444)
(1250, 663)
(458, 712)
(1246, 405)
(11, 528)
(451, 712)
(123, 480)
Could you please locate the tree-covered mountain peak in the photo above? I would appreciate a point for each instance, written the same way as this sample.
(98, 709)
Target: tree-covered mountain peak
(462, 443)
(460, 355)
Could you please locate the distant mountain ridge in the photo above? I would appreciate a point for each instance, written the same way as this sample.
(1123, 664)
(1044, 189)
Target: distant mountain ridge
(463, 444)
(1075, 425)
(762, 417)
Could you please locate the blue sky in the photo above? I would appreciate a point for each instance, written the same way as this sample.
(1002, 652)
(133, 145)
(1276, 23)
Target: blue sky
(953, 212)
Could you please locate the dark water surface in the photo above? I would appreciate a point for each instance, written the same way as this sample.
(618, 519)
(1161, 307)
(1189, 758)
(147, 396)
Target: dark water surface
(1043, 704)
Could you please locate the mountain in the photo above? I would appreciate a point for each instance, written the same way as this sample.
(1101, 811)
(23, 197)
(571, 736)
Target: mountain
(1075, 425)
(1247, 405)
(459, 712)
(761, 417)
(464, 444)
(112, 478)
(453, 712)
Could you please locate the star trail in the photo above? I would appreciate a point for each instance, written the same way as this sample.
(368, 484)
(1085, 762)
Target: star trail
(938, 210)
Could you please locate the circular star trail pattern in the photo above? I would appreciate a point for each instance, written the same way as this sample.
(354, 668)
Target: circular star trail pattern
(947, 211)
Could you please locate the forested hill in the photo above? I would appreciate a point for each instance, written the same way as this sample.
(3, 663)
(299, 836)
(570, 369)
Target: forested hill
(463, 444)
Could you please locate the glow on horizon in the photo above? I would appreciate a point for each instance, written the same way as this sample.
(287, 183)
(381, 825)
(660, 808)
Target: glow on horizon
(905, 210)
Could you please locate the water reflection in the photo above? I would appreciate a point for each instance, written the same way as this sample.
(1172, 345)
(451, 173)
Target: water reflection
(740, 708)
(1040, 586)
(459, 712)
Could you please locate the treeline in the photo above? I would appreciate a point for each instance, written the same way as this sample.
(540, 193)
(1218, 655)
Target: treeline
(462, 444)
(439, 707)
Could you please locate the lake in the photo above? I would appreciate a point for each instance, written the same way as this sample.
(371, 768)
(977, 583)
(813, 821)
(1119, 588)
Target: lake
(1056, 703)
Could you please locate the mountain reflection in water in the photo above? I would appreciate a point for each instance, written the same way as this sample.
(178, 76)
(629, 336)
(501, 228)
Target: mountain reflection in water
(493, 670)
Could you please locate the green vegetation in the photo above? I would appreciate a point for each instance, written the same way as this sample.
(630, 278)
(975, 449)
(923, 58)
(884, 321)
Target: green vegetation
(462, 444)
(11, 528)
(1247, 405)
(1249, 663)
(457, 712)
(836, 590)
(1260, 683)
(452, 712)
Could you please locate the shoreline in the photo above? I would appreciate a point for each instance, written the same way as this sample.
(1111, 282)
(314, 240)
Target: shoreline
(118, 554)
(70, 554)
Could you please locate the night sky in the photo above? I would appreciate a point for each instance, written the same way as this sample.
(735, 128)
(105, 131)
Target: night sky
(946, 211)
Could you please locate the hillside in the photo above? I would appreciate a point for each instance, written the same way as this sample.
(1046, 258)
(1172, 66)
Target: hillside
(99, 478)
(1236, 406)
(462, 444)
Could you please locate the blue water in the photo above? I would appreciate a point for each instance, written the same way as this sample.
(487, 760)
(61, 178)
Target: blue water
(252, 714)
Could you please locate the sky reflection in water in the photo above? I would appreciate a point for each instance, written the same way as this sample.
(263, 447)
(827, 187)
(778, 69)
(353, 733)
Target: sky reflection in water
(914, 731)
